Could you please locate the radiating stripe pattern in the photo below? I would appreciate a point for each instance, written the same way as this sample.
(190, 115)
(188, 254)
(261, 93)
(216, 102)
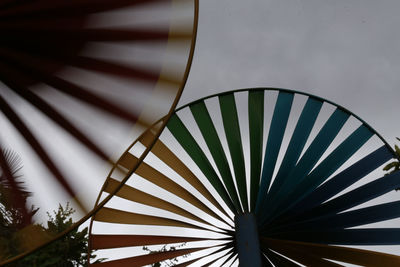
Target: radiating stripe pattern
(80, 79)
(309, 172)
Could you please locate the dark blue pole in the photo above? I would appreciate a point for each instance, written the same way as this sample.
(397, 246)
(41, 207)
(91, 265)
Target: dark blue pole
(247, 242)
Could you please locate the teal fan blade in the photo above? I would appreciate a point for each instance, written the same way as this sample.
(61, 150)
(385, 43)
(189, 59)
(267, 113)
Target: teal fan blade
(255, 177)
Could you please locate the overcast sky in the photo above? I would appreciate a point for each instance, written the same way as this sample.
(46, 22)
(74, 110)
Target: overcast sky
(345, 51)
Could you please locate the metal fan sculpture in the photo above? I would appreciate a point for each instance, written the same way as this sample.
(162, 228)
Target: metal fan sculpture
(255, 177)
(76, 77)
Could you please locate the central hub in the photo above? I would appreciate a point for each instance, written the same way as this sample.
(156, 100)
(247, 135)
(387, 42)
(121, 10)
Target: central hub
(247, 241)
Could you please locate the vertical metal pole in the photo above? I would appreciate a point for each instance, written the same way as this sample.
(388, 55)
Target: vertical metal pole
(247, 241)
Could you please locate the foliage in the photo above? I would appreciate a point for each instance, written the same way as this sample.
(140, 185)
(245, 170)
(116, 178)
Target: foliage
(17, 233)
(165, 248)
(394, 166)
(13, 210)
(70, 250)
(14, 214)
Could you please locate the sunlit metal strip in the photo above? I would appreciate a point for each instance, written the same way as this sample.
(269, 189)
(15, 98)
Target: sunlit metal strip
(225, 247)
(118, 241)
(133, 194)
(169, 158)
(146, 259)
(157, 178)
(110, 215)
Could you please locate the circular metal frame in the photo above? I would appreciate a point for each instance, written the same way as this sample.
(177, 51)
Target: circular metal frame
(174, 128)
(98, 204)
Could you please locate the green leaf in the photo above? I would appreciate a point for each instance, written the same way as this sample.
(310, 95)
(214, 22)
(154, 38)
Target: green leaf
(396, 147)
(390, 165)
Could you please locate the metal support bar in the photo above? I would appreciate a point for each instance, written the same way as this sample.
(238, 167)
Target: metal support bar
(247, 241)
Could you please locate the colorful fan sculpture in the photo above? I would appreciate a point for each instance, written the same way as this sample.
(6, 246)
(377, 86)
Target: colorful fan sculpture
(80, 79)
(255, 177)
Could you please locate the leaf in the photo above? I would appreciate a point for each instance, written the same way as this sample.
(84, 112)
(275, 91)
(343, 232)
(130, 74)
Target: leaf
(397, 148)
(390, 165)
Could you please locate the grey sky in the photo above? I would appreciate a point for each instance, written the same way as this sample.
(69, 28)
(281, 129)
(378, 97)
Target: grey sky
(345, 51)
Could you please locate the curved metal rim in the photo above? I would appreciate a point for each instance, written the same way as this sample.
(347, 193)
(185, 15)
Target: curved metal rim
(300, 93)
(245, 90)
(97, 205)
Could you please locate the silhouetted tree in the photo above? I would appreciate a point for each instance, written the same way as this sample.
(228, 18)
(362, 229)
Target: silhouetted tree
(15, 218)
(14, 214)
(69, 251)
